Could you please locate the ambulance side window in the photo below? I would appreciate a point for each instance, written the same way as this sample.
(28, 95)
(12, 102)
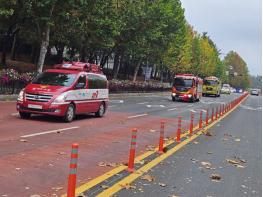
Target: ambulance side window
(96, 82)
(81, 84)
(91, 82)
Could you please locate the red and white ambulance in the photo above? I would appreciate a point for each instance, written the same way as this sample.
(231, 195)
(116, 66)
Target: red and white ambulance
(187, 87)
(69, 89)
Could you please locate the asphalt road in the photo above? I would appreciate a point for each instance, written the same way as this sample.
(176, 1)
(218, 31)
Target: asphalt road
(187, 173)
(34, 154)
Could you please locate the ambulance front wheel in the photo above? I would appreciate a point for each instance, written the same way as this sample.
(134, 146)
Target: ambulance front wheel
(70, 113)
(24, 115)
(173, 98)
(101, 110)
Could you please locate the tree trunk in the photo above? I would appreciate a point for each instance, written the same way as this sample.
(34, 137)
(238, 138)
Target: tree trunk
(136, 70)
(43, 49)
(13, 55)
(4, 48)
(117, 64)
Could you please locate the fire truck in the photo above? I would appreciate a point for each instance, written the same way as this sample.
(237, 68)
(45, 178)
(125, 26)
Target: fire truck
(69, 89)
(187, 87)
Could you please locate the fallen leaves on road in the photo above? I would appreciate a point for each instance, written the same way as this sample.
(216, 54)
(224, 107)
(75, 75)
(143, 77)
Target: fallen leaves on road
(23, 140)
(162, 184)
(215, 177)
(209, 152)
(150, 147)
(237, 162)
(208, 133)
(152, 130)
(35, 195)
(194, 160)
(148, 178)
(61, 153)
(57, 188)
(104, 186)
(128, 186)
(108, 164)
(237, 140)
(195, 142)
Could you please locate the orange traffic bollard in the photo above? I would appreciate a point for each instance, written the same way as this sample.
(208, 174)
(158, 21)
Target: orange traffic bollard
(132, 150)
(207, 115)
(191, 124)
(201, 119)
(161, 137)
(178, 136)
(73, 171)
(216, 112)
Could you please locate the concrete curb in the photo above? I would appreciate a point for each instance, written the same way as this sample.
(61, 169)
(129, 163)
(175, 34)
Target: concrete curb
(13, 97)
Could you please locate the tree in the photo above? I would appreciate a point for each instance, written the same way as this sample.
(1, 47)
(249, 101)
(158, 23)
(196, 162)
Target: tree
(237, 69)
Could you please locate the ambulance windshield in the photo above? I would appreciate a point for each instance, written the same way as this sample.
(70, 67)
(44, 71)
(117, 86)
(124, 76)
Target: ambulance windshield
(55, 79)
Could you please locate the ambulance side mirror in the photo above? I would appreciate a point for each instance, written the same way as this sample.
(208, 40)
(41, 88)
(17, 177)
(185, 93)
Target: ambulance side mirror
(80, 86)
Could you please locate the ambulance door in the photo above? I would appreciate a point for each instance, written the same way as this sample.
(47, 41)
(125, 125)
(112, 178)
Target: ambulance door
(93, 92)
(81, 94)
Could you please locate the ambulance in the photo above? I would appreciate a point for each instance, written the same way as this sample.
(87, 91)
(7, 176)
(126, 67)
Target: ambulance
(187, 87)
(67, 90)
(211, 86)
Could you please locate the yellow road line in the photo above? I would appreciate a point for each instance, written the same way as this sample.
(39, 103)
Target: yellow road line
(129, 179)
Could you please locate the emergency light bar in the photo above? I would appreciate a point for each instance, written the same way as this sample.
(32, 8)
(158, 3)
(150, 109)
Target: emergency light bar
(79, 66)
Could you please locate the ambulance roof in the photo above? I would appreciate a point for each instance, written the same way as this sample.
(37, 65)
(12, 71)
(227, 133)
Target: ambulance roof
(76, 67)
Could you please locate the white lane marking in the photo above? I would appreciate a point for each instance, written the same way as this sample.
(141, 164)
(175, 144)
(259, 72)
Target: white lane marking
(155, 106)
(142, 103)
(112, 105)
(203, 110)
(172, 109)
(14, 114)
(48, 132)
(136, 116)
(251, 108)
(117, 101)
(189, 105)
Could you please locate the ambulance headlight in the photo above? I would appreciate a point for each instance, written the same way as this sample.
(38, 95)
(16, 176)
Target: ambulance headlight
(189, 95)
(173, 94)
(60, 99)
(21, 95)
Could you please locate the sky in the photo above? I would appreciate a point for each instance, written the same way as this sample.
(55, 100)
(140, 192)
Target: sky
(232, 25)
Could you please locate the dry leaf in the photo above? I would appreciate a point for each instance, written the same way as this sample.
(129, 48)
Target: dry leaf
(128, 186)
(204, 163)
(195, 142)
(232, 161)
(162, 184)
(150, 147)
(237, 140)
(104, 186)
(208, 133)
(239, 166)
(209, 152)
(152, 130)
(215, 177)
(148, 178)
(23, 140)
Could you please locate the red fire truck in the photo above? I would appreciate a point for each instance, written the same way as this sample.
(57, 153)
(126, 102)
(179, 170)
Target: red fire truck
(69, 89)
(187, 87)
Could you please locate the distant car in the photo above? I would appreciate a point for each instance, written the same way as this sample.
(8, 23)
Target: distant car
(254, 92)
(226, 89)
(233, 90)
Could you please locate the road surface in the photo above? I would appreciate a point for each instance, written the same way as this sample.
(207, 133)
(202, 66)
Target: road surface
(34, 154)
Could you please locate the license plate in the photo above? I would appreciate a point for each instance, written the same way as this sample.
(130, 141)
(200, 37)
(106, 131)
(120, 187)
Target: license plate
(34, 106)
